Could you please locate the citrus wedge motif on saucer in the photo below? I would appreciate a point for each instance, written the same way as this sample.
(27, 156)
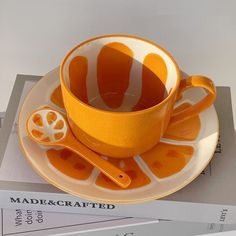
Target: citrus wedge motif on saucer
(56, 97)
(69, 163)
(131, 168)
(166, 159)
(182, 154)
(187, 130)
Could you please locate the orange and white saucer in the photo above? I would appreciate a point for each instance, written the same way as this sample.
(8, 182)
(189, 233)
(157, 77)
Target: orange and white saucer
(176, 161)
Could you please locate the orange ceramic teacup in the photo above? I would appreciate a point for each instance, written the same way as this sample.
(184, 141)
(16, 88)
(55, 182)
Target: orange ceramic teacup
(119, 92)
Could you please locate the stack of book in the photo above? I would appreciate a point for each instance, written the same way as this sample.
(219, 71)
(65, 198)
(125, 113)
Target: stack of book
(31, 206)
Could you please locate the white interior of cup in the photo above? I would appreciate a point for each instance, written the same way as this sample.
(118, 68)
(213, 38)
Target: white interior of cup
(135, 51)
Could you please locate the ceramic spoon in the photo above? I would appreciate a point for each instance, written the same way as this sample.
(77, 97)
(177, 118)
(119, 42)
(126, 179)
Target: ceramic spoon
(49, 127)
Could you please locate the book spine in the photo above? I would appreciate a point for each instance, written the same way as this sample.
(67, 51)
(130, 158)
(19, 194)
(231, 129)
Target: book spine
(157, 209)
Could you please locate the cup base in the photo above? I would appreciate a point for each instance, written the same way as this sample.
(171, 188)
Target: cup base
(104, 148)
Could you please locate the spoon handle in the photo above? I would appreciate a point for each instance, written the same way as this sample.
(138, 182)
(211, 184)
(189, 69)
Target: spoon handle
(108, 169)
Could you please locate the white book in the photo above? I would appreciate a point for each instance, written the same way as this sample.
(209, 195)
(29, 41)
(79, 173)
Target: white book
(211, 198)
(39, 223)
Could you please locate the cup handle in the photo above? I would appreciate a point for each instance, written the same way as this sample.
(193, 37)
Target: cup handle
(190, 82)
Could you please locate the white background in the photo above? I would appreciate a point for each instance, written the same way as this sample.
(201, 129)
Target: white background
(35, 35)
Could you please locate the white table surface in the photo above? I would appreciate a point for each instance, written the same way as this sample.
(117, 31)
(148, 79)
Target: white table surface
(35, 35)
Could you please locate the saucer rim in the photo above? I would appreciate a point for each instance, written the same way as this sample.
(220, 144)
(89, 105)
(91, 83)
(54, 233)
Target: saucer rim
(88, 197)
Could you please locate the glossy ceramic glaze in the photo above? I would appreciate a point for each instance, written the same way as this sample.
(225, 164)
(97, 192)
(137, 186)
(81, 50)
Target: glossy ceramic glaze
(118, 89)
(183, 153)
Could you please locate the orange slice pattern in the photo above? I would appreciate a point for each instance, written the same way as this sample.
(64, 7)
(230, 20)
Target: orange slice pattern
(38, 126)
(138, 177)
(154, 76)
(187, 130)
(113, 69)
(114, 63)
(69, 163)
(56, 97)
(78, 70)
(165, 160)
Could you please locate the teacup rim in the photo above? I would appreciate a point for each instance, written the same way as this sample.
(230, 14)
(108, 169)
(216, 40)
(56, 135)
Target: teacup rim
(62, 81)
